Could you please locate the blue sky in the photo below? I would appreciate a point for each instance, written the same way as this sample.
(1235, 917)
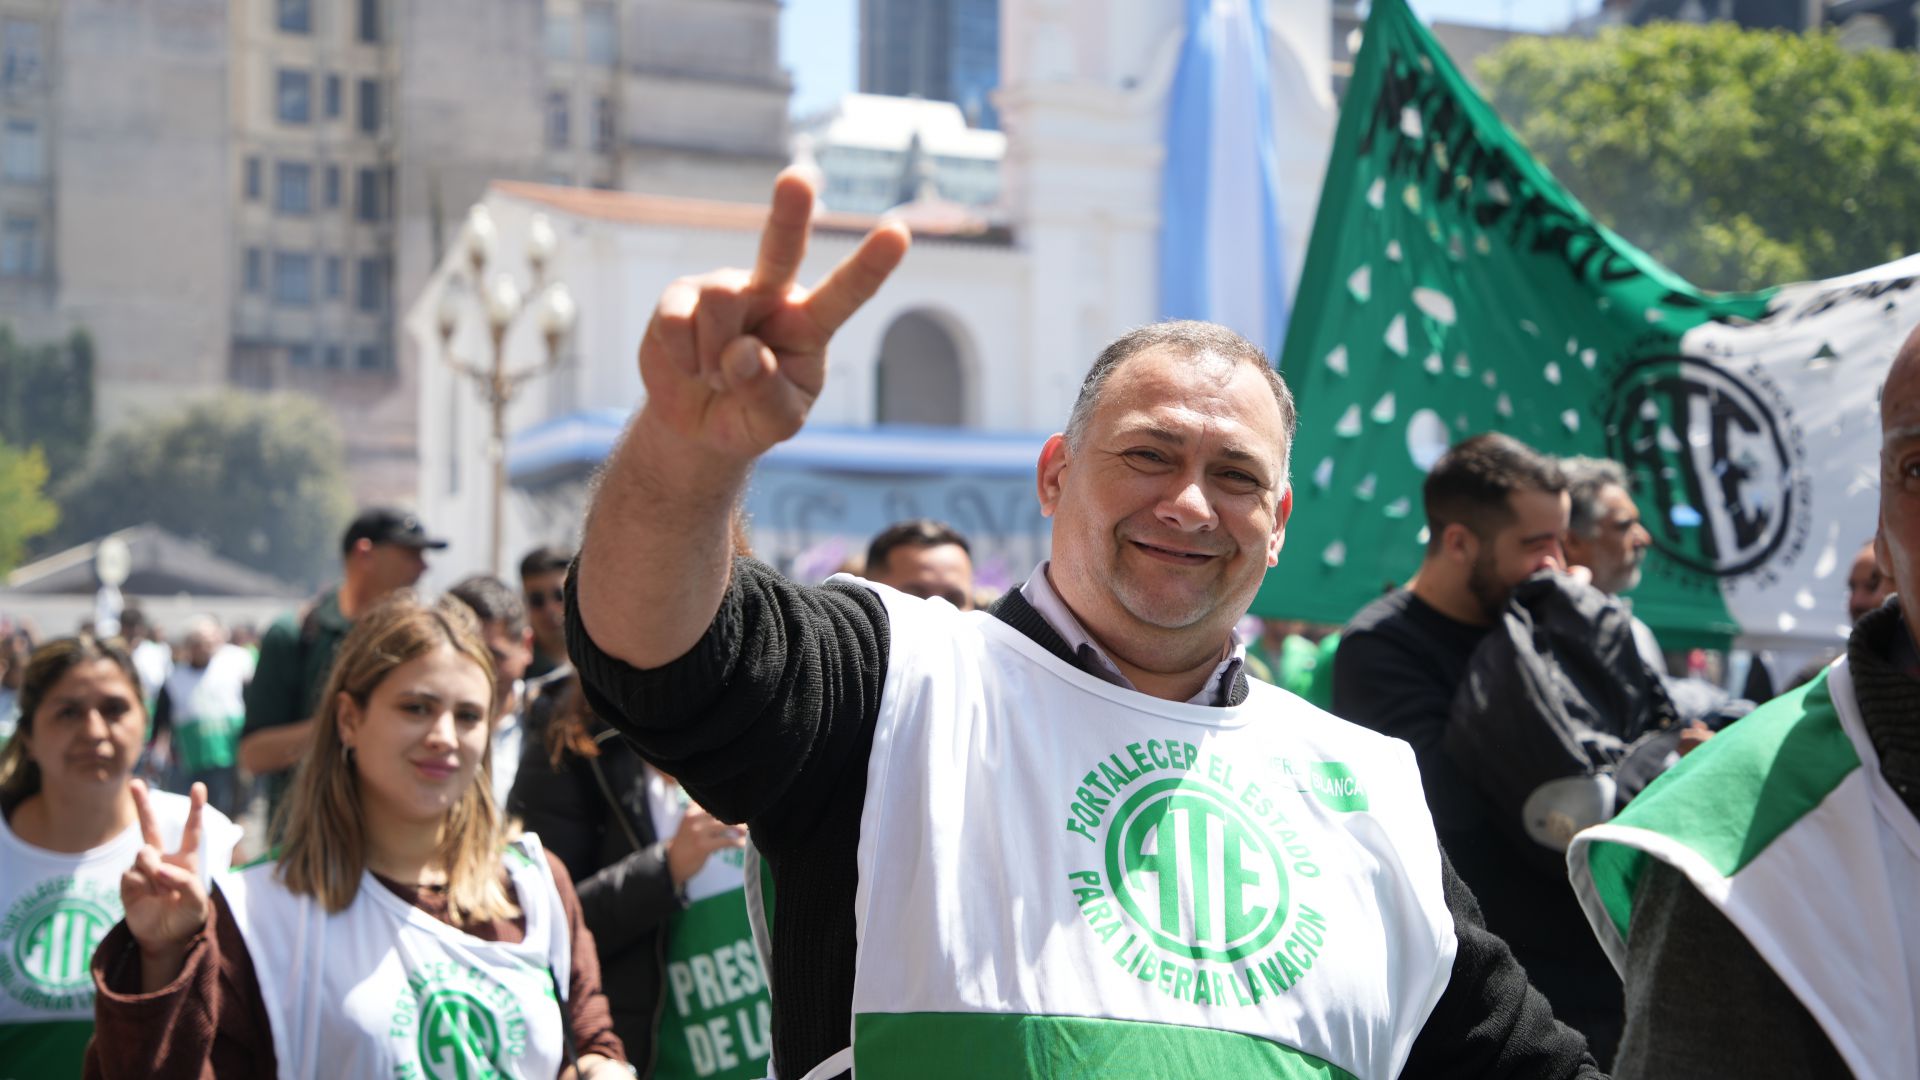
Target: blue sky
(817, 36)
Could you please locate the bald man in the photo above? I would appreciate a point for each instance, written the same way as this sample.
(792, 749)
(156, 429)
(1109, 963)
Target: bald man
(1760, 903)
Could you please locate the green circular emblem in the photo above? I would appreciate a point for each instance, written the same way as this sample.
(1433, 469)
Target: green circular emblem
(55, 943)
(459, 1037)
(1196, 872)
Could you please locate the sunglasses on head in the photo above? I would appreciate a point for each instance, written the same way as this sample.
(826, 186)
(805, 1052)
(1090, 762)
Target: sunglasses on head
(556, 596)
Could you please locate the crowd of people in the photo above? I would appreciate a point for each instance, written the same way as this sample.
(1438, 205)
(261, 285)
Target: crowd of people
(656, 809)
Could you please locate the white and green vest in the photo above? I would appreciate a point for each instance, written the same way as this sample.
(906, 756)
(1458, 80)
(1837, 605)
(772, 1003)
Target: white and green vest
(1061, 877)
(382, 989)
(1784, 822)
(54, 909)
(717, 1020)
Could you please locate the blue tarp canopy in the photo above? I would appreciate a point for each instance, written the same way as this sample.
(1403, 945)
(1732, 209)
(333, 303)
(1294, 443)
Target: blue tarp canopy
(571, 445)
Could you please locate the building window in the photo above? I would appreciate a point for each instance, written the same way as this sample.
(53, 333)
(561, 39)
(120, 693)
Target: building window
(295, 16)
(253, 179)
(602, 125)
(333, 357)
(293, 187)
(20, 154)
(370, 106)
(334, 274)
(367, 26)
(602, 33)
(559, 34)
(300, 355)
(370, 286)
(332, 186)
(20, 247)
(19, 53)
(255, 275)
(293, 97)
(333, 97)
(292, 279)
(367, 195)
(558, 121)
(370, 358)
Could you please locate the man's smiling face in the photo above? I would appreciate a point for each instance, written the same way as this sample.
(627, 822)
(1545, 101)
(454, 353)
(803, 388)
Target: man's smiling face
(1168, 513)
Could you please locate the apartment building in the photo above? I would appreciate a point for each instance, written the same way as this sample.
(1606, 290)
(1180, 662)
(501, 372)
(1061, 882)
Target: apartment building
(246, 192)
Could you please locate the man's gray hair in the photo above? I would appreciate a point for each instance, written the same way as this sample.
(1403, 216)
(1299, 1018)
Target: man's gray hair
(1186, 338)
(1586, 478)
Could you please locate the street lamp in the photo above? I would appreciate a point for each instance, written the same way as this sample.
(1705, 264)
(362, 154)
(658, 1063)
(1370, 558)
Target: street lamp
(503, 304)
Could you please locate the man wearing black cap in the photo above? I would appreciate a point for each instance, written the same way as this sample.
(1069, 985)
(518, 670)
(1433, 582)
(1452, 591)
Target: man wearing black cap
(383, 550)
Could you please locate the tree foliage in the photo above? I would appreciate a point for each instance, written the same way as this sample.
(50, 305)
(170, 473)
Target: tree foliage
(1739, 158)
(25, 510)
(46, 398)
(261, 479)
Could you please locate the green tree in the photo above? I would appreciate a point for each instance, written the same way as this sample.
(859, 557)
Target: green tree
(260, 478)
(46, 398)
(25, 510)
(1739, 158)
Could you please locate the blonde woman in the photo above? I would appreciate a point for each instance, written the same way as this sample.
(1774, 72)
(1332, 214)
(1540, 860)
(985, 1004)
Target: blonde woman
(396, 933)
(71, 821)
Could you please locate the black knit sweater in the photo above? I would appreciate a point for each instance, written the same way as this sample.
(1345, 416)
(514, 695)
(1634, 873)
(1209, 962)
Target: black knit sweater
(769, 720)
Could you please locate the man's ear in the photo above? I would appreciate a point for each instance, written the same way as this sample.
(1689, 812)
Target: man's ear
(1054, 457)
(1459, 542)
(1281, 513)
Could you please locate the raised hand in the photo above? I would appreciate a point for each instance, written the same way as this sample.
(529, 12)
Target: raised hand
(699, 836)
(164, 900)
(733, 360)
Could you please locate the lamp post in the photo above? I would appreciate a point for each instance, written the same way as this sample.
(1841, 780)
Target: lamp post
(503, 303)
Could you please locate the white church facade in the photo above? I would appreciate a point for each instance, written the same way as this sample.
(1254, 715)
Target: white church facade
(941, 390)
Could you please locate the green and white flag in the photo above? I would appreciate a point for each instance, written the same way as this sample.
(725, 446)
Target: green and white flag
(1452, 286)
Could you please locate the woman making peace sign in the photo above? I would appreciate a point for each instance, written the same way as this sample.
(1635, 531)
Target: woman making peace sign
(73, 819)
(395, 934)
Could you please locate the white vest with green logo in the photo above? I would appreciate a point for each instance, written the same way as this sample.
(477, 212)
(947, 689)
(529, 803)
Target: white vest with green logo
(54, 909)
(1061, 877)
(1785, 823)
(384, 989)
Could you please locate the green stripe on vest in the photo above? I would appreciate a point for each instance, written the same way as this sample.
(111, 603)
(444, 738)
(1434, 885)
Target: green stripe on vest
(52, 1050)
(965, 1046)
(1734, 795)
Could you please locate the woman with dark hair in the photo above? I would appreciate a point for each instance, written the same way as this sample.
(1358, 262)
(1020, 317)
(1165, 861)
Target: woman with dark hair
(73, 818)
(660, 884)
(396, 932)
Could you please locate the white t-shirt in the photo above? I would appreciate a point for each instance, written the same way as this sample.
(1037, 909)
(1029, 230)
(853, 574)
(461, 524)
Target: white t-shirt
(54, 909)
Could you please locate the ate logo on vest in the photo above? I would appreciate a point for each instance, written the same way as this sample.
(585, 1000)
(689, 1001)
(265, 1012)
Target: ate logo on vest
(47, 940)
(1188, 878)
(463, 1024)
(459, 1037)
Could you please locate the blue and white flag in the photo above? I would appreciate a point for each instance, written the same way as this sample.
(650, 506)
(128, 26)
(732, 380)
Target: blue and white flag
(1220, 242)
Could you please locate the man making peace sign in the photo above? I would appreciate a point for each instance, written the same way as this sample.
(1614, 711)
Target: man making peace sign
(1066, 837)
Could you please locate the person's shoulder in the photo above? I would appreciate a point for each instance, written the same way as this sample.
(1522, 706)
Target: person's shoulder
(1381, 613)
(282, 631)
(1303, 715)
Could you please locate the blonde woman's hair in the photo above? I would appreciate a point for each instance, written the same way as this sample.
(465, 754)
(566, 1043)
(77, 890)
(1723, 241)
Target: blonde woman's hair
(19, 775)
(325, 850)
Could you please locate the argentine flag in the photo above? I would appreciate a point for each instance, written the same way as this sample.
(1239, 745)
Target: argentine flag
(1220, 242)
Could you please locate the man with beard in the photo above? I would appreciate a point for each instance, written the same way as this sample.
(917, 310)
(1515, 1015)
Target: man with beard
(1604, 535)
(1496, 510)
(1496, 513)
